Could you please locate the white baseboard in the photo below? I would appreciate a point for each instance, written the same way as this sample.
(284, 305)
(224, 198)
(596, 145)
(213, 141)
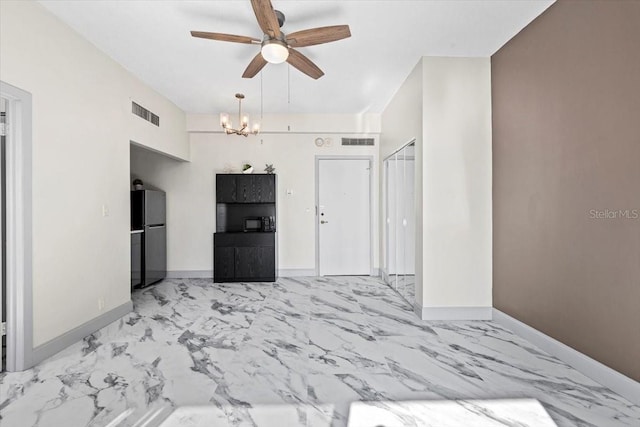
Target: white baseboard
(296, 272)
(453, 313)
(190, 274)
(619, 383)
(51, 347)
(283, 272)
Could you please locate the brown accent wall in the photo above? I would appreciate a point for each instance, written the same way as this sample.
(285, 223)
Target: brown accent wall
(566, 143)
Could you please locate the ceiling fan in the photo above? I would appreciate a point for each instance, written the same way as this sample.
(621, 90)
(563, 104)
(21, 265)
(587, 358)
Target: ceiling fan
(277, 47)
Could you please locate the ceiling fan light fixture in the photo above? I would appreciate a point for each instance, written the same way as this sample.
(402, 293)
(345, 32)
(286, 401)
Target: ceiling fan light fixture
(274, 51)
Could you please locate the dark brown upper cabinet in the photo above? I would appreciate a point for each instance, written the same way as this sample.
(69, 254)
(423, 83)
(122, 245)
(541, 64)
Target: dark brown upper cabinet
(226, 188)
(238, 188)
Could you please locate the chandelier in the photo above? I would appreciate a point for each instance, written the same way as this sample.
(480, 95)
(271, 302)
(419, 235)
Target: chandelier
(226, 124)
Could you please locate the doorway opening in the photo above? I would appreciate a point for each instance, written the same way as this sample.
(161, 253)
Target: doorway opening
(344, 215)
(17, 300)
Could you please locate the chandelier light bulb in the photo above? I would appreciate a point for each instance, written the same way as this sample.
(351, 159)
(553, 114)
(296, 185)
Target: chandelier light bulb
(224, 120)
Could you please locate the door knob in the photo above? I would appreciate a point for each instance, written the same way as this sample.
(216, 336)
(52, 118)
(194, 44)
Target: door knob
(324, 222)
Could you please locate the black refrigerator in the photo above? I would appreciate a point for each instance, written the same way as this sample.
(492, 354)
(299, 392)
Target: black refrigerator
(148, 216)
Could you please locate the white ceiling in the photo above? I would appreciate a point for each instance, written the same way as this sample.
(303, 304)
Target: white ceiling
(151, 39)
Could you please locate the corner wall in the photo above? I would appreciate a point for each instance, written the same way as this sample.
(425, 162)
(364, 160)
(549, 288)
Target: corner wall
(445, 103)
(82, 125)
(566, 109)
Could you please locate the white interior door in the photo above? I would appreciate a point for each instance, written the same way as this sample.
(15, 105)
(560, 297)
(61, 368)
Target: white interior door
(344, 217)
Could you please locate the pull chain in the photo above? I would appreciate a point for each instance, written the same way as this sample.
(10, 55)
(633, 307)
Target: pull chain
(288, 85)
(261, 98)
(289, 94)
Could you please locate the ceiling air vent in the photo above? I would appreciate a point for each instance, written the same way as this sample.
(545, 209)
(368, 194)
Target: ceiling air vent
(140, 111)
(357, 141)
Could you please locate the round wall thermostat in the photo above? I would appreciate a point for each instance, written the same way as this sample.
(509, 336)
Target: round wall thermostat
(319, 142)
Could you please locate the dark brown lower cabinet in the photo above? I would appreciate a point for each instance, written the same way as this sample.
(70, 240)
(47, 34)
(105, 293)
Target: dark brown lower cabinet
(224, 264)
(244, 257)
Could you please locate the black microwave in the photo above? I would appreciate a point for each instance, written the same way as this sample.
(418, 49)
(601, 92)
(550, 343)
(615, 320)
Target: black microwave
(259, 224)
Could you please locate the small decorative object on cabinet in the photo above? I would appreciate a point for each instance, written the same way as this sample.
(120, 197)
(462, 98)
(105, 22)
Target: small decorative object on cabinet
(269, 168)
(138, 184)
(247, 168)
(245, 242)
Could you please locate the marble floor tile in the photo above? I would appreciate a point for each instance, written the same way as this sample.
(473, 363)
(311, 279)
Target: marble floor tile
(343, 343)
(304, 351)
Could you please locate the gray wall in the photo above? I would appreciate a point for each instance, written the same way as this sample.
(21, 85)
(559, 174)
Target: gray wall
(566, 143)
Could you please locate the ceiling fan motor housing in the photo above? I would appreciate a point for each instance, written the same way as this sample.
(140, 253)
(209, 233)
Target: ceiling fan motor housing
(280, 17)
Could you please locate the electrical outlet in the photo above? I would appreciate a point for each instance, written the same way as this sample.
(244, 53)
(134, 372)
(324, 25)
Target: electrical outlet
(105, 210)
(101, 303)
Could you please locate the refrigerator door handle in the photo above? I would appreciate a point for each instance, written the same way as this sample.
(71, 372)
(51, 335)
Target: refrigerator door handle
(151, 227)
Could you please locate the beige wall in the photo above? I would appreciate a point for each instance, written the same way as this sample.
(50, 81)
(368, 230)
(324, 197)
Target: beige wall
(82, 125)
(566, 116)
(190, 186)
(456, 182)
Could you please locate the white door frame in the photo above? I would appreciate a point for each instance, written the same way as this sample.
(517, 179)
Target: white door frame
(19, 228)
(317, 177)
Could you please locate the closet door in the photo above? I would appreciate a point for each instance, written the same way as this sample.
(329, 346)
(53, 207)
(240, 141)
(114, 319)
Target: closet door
(409, 224)
(401, 220)
(391, 220)
(400, 214)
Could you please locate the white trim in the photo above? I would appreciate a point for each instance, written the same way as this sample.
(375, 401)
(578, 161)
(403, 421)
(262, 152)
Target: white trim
(19, 230)
(296, 272)
(190, 274)
(63, 341)
(317, 201)
(619, 383)
(453, 313)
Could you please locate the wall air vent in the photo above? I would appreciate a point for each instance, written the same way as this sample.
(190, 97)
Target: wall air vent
(140, 111)
(357, 141)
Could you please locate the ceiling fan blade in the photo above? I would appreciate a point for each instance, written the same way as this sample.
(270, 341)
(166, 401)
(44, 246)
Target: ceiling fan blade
(304, 64)
(224, 37)
(254, 67)
(319, 35)
(266, 17)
